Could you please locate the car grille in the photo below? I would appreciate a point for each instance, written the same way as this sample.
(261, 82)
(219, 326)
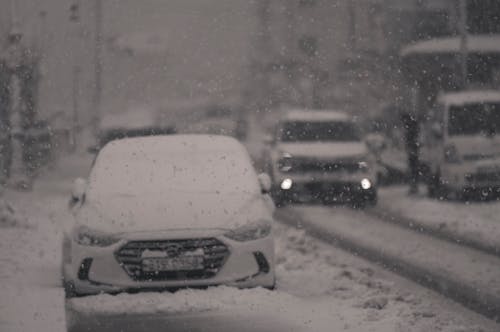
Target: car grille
(311, 165)
(215, 254)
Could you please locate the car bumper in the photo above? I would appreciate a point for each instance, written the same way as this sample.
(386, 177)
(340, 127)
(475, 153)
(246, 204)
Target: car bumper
(342, 189)
(95, 270)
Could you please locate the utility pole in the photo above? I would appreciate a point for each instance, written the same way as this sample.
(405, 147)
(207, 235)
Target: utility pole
(75, 19)
(96, 102)
(464, 52)
(17, 173)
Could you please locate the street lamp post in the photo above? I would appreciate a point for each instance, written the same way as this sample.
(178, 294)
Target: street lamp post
(75, 19)
(96, 102)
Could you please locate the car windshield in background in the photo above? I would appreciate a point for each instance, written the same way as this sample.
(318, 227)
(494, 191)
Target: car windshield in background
(474, 119)
(135, 172)
(318, 131)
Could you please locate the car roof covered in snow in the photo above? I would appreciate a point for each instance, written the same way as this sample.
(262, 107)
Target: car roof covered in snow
(169, 144)
(316, 115)
(191, 163)
(470, 97)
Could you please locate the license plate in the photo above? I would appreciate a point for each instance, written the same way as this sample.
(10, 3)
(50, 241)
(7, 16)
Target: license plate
(188, 263)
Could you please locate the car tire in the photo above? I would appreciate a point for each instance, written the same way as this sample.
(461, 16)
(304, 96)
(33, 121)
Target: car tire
(273, 285)
(69, 289)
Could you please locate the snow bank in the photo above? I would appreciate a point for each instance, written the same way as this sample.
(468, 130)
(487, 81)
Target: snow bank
(477, 222)
(182, 302)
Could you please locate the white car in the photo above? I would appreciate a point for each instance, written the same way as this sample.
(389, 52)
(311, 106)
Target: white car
(168, 212)
(461, 144)
(321, 155)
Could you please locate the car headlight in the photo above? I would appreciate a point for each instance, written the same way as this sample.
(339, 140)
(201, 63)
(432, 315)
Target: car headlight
(89, 237)
(366, 184)
(250, 231)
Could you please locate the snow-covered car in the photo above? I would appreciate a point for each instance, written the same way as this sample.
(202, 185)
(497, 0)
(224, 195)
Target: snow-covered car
(320, 155)
(167, 212)
(461, 143)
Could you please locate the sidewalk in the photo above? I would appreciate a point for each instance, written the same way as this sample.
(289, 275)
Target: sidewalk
(476, 224)
(32, 299)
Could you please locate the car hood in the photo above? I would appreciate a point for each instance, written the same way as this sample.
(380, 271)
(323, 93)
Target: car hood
(477, 147)
(325, 150)
(177, 211)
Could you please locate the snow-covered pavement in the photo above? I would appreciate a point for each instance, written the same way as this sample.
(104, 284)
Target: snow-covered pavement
(460, 272)
(319, 287)
(477, 223)
(32, 299)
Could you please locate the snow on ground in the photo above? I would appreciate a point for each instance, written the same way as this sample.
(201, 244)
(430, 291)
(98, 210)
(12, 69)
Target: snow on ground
(319, 288)
(9, 216)
(477, 221)
(32, 299)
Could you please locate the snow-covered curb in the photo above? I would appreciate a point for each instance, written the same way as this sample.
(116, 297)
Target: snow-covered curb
(474, 224)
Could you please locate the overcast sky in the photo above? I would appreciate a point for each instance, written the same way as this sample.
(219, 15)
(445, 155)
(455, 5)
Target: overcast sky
(208, 43)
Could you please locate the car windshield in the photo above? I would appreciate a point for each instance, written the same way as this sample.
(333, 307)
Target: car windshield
(474, 119)
(334, 131)
(136, 173)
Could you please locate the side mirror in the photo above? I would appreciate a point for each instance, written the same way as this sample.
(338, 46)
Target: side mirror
(78, 192)
(265, 183)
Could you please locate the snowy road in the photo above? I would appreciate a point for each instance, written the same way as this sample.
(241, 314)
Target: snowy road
(462, 273)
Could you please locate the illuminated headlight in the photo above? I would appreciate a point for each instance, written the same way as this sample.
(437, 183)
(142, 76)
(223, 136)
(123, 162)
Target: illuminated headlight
(88, 237)
(366, 184)
(250, 231)
(286, 184)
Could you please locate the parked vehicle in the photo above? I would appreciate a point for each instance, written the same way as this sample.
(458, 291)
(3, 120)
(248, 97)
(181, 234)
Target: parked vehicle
(220, 120)
(461, 144)
(320, 155)
(132, 123)
(167, 212)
